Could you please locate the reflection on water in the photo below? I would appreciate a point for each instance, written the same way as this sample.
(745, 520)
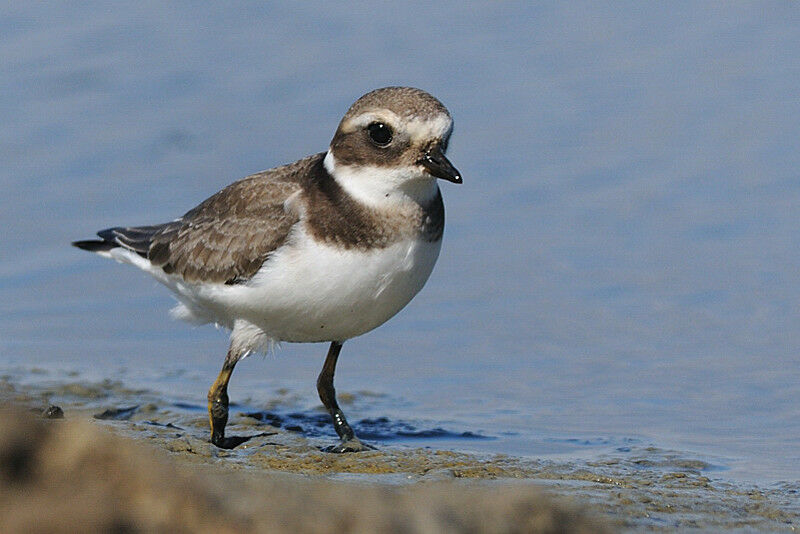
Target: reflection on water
(621, 260)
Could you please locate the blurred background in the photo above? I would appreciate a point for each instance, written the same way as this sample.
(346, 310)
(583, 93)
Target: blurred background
(619, 267)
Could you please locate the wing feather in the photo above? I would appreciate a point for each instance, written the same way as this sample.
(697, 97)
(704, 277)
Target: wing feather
(226, 238)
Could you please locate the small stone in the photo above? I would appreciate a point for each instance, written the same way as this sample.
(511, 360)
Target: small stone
(53, 412)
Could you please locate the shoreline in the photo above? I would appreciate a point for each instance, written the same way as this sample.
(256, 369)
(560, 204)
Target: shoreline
(70, 475)
(646, 489)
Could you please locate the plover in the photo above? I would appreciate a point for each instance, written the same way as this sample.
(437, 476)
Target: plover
(320, 250)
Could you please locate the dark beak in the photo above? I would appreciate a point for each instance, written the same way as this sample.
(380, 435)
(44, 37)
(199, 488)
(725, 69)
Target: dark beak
(439, 166)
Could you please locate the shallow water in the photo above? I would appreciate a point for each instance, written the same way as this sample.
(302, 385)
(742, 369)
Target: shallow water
(619, 267)
(635, 486)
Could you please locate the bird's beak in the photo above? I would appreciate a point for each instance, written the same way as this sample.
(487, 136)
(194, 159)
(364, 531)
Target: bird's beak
(439, 166)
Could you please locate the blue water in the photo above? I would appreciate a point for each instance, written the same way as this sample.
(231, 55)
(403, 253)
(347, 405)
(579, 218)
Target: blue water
(621, 262)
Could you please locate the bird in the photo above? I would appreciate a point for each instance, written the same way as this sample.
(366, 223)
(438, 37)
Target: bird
(321, 250)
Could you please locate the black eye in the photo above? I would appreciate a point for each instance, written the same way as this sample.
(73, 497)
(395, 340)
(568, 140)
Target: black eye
(380, 133)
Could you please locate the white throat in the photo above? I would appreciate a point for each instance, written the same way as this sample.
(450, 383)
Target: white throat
(382, 186)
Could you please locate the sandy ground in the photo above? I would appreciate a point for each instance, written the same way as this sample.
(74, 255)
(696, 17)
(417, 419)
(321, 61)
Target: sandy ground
(114, 459)
(71, 476)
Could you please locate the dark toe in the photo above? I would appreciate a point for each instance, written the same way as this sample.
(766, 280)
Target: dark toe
(231, 442)
(353, 445)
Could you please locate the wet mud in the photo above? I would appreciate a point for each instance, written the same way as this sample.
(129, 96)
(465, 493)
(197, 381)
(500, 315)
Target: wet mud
(636, 487)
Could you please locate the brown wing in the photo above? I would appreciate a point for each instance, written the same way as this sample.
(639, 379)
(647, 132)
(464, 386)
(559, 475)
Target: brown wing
(228, 237)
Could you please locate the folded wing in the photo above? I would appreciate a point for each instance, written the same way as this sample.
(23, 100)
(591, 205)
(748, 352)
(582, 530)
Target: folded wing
(226, 239)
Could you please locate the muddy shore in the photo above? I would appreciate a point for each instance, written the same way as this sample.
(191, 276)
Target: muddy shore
(166, 476)
(69, 475)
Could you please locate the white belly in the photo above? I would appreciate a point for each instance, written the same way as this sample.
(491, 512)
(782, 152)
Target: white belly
(310, 292)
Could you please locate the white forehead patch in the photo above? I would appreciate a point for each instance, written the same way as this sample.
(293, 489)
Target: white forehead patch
(429, 128)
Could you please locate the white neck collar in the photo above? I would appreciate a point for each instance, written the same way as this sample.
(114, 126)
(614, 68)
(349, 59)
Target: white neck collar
(382, 186)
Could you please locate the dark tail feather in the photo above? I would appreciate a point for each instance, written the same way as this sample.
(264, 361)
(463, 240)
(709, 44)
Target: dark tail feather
(93, 245)
(138, 239)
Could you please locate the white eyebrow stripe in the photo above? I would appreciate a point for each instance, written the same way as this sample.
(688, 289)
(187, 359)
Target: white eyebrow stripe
(418, 128)
(374, 116)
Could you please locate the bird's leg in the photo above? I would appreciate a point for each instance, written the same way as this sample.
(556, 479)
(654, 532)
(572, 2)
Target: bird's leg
(327, 394)
(218, 404)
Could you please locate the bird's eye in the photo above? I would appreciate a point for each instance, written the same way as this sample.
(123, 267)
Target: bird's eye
(380, 134)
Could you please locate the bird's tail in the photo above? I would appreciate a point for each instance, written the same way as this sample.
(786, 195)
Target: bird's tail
(137, 239)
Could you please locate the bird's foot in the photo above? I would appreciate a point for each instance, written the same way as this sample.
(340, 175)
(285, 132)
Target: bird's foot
(352, 445)
(231, 442)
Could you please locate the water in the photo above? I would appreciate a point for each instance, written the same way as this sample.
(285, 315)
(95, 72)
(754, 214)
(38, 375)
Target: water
(619, 266)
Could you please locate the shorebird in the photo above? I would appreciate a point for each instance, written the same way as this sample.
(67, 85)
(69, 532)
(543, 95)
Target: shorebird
(320, 250)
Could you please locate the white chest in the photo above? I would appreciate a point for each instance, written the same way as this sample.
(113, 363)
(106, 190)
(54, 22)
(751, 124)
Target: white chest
(311, 291)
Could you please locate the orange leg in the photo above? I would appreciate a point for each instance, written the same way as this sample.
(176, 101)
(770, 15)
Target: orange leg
(218, 403)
